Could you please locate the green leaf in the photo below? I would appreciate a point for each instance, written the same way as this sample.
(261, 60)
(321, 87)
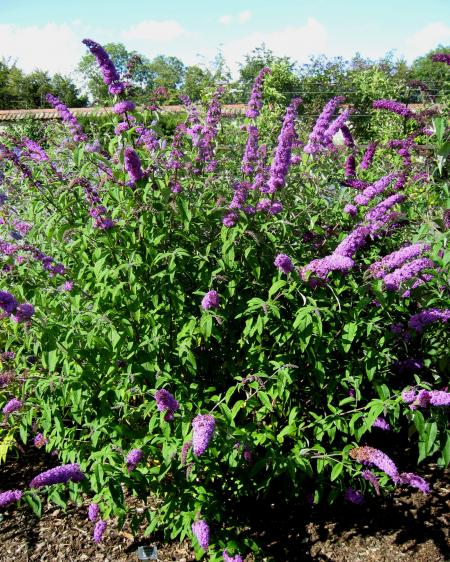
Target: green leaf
(35, 503)
(337, 469)
(348, 336)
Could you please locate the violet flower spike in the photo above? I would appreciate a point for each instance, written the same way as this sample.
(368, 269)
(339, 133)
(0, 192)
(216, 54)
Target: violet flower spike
(109, 72)
(395, 107)
(134, 457)
(368, 156)
(59, 475)
(166, 403)
(124, 106)
(284, 263)
(10, 496)
(375, 457)
(370, 477)
(396, 259)
(418, 321)
(201, 531)
(99, 530)
(8, 302)
(381, 423)
(282, 159)
(67, 117)
(317, 140)
(23, 313)
(93, 512)
(441, 57)
(132, 165)
(415, 481)
(255, 101)
(393, 281)
(354, 496)
(211, 300)
(228, 558)
(12, 406)
(203, 430)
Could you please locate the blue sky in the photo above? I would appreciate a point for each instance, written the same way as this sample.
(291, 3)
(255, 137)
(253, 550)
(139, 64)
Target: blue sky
(47, 33)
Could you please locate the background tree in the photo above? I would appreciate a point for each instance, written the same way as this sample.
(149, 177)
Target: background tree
(168, 72)
(196, 80)
(434, 75)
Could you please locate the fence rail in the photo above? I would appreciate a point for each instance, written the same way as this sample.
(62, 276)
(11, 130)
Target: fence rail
(228, 110)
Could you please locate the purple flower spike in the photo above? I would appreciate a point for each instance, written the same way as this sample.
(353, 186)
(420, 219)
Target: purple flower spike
(40, 441)
(132, 165)
(368, 156)
(350, 166)
(228, 558)
(93, 512)
(250, 158)
(35, 151)
(67, 117)
(354, 496)
(392, 261)
(58, 475)
(166, 403)
(201, 531)
(415, 481)
(418, 321)
(110, 75)
(99, 530)
(284, 263)
(318, 140)
(8, 302)
(282, 159)
(203, 426)
(353, 242)
(441, 57)
(134, 457)
(439, 398)
(12, 406)
(370, 477)
(393, 281)
(124, 107)
(350, 210)
(255, 101)
(375, 457)
(10, 496)
(210, 300)
(409, 396)
(394, 106)
(381, 423)
(23, 313)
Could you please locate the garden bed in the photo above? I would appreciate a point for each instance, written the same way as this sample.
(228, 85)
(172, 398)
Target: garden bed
(407, 527)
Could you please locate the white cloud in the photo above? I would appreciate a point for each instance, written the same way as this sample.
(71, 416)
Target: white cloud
(52, 47)
(225, 20)
(155, 31)
(426, 39)
(297, 42)
(244, 16)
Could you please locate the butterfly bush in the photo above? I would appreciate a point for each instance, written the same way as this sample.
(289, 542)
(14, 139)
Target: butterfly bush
(149, 276)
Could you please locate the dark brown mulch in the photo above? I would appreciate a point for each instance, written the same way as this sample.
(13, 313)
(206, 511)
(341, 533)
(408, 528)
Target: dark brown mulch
(407, 527)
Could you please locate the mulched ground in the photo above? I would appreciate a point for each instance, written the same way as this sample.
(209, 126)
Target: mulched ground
(406, 527)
